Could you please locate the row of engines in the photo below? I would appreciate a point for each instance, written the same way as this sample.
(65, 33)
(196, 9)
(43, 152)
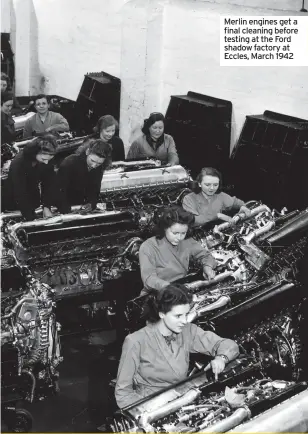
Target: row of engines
(256, 299)
(45, 261)
(78, 254)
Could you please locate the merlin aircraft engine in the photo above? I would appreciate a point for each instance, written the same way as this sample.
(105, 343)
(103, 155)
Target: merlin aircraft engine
(30, 345)
(253, 255)
(198, 404)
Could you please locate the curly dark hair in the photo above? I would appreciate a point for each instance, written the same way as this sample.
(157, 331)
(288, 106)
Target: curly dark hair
(40, 96)
(5, 77)
(170, 216)
(99, 148)
(47, 143)
(154, 117)
(164, 300)
(210, 171)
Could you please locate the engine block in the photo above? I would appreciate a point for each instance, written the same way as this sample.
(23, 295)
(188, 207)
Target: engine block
(143, 185)
(255, 290)
(30, 331)
(200, 405)
(275, 343)
(257, 262)
(76, 253)
(259, 254)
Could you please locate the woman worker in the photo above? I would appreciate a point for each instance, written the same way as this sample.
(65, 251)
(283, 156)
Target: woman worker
(6, 87)
(5, 83)
(45, 120)
(7, 122)
(31, 178)
(153, 143)
(157, 355)
(209, 201)
(80, 176)
(105, 130)
(165, 258)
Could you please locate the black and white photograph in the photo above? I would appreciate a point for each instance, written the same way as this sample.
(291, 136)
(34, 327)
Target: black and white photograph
(154, 216)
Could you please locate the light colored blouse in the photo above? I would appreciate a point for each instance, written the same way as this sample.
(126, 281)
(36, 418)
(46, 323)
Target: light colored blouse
(162, 263)
(53, 119)
(206, 210)
(148, 364)
(166, 152)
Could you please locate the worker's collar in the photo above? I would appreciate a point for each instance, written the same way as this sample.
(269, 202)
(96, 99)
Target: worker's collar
(44, 116)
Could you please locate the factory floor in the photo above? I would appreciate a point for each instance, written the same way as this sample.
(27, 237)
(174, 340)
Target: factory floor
(90, 362)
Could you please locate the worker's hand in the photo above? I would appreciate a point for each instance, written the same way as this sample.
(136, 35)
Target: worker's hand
(218, 365)
(47, 213)
(208, 272)
(245, 210)
(86, 208)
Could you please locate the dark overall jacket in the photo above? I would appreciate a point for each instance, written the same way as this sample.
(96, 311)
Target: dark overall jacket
(77, 185)
(29, 184)
(116, 145)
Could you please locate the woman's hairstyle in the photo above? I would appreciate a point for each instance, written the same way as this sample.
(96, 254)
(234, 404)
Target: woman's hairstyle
(47, 144)
(7, 96)
(164, 300)
(154, 117)
(5, 77)
(40, 96)
(99, 148)
(210, 171)
(170, 216)
(105, 122)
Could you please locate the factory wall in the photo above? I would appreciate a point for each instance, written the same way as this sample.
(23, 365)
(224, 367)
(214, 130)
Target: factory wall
(191, 62)
(158, 48)
(68, 38)
(188, 55)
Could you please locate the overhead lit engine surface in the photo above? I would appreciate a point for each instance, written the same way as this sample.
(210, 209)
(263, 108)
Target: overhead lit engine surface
(201, 405)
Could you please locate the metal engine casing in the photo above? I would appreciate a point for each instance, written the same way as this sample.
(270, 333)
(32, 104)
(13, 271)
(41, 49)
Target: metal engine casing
(30, 345)
(75, 253)
(199, 404)
(257, 256)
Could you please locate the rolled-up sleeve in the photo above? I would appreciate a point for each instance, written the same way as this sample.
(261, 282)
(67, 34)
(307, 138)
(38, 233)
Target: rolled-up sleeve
(128, 367)
(238, 203)
(231, 202)
(148, 271)
(201, 254)
(190, 205)
(59, 123)
(206, 342)
(173, 157)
